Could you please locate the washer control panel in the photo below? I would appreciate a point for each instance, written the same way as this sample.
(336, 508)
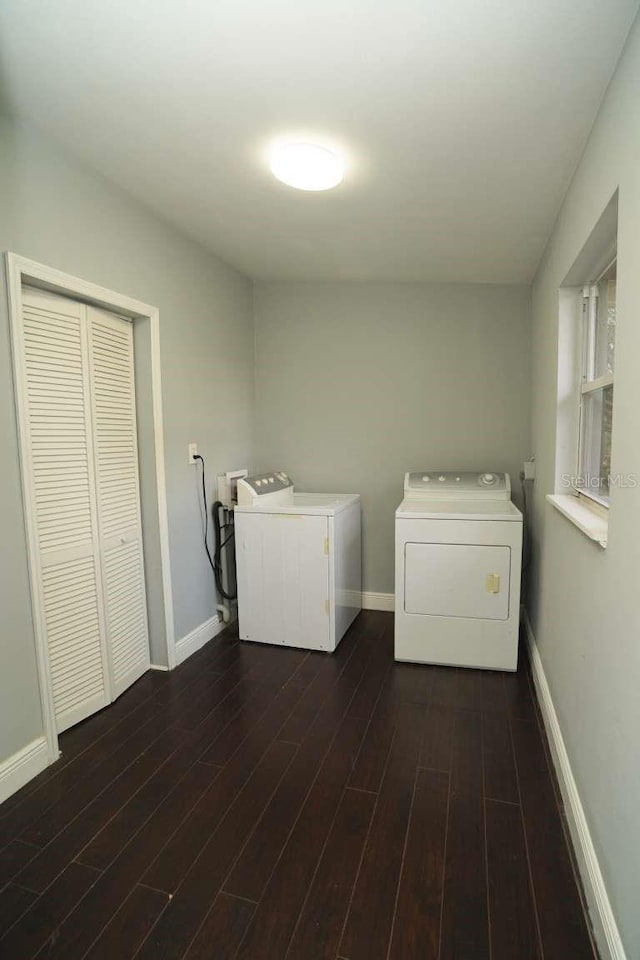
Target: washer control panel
(264, 484)
(450, 485)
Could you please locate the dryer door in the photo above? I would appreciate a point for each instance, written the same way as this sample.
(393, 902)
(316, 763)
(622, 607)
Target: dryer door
(457, 580)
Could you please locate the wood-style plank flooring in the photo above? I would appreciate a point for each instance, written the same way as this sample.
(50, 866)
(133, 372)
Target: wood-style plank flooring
(263, 803)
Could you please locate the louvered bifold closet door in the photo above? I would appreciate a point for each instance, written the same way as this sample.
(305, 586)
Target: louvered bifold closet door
(118, 495)
(58, 426)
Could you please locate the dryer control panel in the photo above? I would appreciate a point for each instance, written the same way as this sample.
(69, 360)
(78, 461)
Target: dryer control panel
(274, 484)
(452, 485)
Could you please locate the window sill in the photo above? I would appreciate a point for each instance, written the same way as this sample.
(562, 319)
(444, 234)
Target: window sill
(585, 518)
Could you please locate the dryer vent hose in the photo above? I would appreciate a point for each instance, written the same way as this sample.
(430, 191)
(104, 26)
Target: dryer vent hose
(224, 533)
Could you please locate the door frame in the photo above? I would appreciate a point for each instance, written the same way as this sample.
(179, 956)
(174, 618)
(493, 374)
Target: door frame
(20, 271)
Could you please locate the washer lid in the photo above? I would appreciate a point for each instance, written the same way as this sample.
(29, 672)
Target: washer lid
(437, 509)
(307, 504)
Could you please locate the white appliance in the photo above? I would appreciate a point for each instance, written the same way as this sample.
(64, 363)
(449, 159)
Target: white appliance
(458, 561)
(298, 561)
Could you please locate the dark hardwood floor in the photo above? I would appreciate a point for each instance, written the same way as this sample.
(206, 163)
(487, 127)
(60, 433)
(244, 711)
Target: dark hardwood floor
(263, 802)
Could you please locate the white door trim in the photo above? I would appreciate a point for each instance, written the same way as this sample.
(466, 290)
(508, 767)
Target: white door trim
(21, 271)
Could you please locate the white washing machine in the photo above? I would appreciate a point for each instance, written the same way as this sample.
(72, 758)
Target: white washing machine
(298, 559)
(458, 562)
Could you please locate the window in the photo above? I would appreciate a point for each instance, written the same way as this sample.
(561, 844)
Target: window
(585, 385)
(596, 387)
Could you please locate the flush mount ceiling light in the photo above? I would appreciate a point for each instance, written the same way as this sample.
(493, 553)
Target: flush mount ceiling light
(306, 166)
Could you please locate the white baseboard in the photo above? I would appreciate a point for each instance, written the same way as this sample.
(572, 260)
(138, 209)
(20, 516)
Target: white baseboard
(197, 638)
(605, 928)
(23, 766)
(158, 666)
(378, 601)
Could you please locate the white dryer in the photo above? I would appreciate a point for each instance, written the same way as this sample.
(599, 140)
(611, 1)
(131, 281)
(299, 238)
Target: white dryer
(458, 561)
(298, 561)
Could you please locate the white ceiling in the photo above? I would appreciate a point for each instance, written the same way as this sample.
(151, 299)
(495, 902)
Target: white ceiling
(461, 122)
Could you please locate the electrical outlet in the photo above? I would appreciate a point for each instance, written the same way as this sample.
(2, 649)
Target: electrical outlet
(530, 469)
(193, 449)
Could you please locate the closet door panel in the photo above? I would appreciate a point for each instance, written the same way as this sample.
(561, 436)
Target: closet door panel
(126, 614)
(118, 495)
(61, 474)
(74, 640)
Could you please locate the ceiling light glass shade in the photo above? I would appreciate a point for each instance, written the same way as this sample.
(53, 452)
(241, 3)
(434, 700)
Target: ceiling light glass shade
(306, 166)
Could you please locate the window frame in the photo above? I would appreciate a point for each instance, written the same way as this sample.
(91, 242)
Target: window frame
(589, 385)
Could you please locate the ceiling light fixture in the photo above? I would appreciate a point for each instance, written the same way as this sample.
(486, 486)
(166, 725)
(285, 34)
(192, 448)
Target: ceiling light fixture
(306, 166)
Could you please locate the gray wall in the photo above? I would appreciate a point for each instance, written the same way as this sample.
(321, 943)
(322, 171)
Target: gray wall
(55, 211)
(584, 600)
(358, 382)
